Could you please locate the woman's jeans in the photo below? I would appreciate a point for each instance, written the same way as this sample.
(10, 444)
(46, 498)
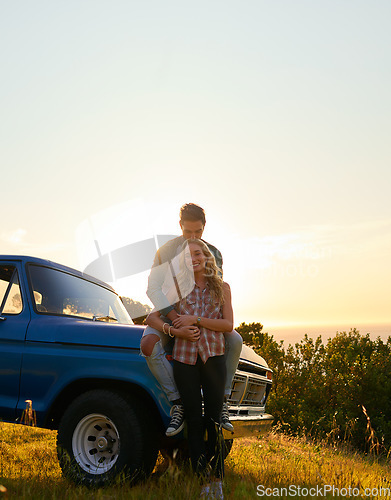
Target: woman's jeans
(211, 377)
(163, 371)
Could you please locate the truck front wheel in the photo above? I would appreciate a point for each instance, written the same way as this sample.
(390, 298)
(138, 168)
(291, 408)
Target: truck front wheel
(102, 435)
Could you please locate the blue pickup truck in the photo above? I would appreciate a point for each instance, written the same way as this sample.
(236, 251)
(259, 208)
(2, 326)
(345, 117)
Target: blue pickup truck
(68, 345)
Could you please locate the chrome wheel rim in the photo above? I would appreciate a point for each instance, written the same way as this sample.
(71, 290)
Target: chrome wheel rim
(96, 444)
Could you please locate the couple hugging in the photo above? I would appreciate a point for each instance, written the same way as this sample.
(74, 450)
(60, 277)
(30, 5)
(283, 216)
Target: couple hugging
(193, 311)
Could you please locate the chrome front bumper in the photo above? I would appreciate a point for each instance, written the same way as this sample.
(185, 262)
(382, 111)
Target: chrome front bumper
(249, 426)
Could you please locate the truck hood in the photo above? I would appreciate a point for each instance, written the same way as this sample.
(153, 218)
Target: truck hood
(63, 330)
(249, 354)
(84, 332)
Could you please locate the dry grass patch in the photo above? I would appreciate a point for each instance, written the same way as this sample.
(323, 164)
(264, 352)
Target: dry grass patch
(29, 469)
(279, 461)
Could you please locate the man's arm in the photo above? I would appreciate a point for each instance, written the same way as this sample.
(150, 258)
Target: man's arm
(191, 333)
(159, 271)
(154, 290)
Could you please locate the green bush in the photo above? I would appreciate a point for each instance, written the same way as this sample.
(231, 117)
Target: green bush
(339, 391)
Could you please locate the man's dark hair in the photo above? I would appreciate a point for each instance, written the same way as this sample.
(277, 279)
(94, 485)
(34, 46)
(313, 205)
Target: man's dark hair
(192, 212)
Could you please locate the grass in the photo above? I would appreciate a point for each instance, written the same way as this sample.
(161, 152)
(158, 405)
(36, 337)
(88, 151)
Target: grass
(29, 470)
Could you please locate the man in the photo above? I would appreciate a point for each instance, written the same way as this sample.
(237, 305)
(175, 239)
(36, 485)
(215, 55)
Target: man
(192, 222)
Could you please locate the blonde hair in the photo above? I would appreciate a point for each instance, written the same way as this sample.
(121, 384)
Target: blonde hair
(212, 272)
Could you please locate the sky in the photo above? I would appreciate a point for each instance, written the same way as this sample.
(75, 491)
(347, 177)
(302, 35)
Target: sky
(274, 116)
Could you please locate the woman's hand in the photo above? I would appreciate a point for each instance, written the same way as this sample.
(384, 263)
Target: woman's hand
(184, 320)
(190, 333)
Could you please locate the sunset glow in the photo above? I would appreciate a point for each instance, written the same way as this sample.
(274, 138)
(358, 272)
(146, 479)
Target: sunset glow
(274, 120)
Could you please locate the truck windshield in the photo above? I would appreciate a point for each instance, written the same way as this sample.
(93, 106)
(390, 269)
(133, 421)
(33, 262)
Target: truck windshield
(60, 293)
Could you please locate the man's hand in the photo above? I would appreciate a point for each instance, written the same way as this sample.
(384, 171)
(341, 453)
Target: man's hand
(184, 320)
(190, 333)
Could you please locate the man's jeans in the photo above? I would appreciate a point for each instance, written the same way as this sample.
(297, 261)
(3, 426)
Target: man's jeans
(163, 371)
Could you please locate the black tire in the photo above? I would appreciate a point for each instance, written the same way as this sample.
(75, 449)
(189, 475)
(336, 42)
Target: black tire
(103, 435)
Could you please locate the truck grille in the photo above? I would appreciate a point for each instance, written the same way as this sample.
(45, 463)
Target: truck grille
(248, 390)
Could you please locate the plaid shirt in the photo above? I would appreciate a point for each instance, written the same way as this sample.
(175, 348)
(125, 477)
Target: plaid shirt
(199, 303)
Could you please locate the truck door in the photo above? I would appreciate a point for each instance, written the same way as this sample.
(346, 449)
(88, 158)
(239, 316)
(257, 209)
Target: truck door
(14, 318)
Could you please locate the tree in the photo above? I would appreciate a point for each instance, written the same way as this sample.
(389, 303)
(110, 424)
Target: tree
(137, 311)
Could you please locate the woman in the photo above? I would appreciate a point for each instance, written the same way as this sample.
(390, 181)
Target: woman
(199, 357)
